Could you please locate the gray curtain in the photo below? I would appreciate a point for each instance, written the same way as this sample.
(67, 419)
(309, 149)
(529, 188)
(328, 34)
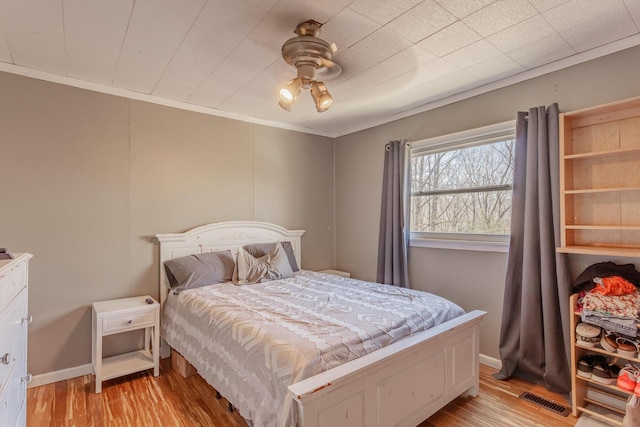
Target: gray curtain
(534, 339)
(393, 243)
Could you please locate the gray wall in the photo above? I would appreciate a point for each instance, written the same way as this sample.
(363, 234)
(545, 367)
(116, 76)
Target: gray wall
(475, 280)
(88, 179)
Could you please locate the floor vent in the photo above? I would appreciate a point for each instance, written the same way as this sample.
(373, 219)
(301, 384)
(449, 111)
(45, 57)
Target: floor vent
(545, 403)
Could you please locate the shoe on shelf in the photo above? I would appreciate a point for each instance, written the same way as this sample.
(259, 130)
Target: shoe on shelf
(628, 377)
(627, 347)
(608, 341)
(603, 373)
(587, 335)
(586, 364)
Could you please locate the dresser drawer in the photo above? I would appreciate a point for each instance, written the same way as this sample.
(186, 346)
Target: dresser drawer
(122, 322)
(11, 282)
(13, 340)
(14, 395)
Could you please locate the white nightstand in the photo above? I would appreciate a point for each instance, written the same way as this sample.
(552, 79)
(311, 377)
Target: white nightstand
(123, 315)
(336, 272)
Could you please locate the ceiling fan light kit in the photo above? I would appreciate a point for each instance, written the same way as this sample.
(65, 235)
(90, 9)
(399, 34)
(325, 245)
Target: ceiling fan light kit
(310, 55)
(321, 96)
(289, 94)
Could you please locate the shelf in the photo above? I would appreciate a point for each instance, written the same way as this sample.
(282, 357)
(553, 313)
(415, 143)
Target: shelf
(612, 387)
(603, 227)
(599, 416)
(606, 353)
(600, 250)
(618, 110)
(608, 399)
(601, 190)
(128, 363)
(605, 153)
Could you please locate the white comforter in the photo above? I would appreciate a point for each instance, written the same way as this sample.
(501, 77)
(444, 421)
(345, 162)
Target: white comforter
(251, 342)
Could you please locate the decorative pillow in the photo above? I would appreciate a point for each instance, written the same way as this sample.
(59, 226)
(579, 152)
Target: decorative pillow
(250, 269)
(258, 250)
(194, 271)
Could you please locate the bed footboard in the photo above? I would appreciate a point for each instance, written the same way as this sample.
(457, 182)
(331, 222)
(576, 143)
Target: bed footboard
(400, 385)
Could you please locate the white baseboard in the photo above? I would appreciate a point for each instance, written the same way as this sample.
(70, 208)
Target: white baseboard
(61, 375)
(78, 371)
(490, 361)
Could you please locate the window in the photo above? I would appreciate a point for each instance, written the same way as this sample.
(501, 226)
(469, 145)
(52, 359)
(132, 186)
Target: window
(461, 187)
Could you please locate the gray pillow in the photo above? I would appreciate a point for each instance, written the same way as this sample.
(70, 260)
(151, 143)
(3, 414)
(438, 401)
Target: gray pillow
(194, 271)
(250, 269)
(258, 250)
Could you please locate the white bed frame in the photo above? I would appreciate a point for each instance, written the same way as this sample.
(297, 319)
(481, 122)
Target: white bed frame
(399, 385)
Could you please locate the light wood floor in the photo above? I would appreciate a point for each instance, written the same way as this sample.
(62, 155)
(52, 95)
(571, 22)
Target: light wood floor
(170, 400)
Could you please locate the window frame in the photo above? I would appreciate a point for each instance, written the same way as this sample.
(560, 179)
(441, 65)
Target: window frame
(459, 140)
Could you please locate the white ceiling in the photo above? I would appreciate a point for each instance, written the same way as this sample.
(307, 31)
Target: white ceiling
(223, 56)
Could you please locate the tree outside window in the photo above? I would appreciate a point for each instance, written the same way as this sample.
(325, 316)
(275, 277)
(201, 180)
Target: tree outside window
(463, 189)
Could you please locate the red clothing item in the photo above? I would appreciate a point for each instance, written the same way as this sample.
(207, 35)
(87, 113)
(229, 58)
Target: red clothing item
(613, 285)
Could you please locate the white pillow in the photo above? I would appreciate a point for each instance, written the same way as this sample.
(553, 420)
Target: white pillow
(250, 270)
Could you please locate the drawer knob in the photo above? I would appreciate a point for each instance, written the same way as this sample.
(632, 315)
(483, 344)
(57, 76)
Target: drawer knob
(27, 319)
(5, 359)
(129, 322)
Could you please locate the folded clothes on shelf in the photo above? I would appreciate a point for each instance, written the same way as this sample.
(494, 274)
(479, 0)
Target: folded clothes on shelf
(617, 313)
(623, 326)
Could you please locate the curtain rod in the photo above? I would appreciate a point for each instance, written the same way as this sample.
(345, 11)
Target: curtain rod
(388, 147)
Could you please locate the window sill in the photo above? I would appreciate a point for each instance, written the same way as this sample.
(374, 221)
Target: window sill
(461, 245)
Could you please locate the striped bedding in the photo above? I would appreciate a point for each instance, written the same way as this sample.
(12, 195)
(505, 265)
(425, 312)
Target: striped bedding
(251, 342)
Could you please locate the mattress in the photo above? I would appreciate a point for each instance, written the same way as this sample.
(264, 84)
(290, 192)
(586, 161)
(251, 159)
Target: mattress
(251, 342)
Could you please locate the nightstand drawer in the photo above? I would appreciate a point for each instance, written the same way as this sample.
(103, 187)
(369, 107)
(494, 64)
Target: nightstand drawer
(131, 321)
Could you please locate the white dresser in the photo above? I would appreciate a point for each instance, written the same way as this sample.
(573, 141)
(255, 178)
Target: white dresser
(14, 320)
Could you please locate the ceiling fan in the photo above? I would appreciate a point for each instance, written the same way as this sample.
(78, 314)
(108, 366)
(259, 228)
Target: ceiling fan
(311, 56)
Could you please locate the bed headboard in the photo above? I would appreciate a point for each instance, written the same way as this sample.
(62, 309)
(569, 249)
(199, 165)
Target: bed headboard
(220, 236)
